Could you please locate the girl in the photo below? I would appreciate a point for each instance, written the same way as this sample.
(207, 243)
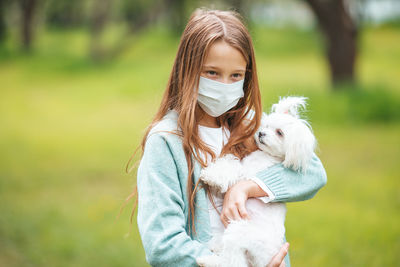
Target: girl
(211, 107)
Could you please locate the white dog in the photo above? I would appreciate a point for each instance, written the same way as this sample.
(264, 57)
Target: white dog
(282, 137)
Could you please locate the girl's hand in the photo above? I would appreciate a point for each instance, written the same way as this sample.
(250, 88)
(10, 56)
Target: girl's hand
(235, 199)
(277, 260)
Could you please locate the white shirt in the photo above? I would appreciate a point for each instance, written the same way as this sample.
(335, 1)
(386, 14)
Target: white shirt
(216, 138)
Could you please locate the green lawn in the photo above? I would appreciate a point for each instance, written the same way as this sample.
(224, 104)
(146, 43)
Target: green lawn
(68, 127)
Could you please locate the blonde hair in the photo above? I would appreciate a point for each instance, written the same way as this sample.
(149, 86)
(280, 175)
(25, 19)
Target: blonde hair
(202, 30)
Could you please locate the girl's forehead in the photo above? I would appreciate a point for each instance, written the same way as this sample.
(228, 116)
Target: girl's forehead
(221, 55)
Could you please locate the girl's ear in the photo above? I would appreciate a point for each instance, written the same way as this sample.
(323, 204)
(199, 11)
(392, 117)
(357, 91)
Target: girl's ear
(290, 105)
(300, 144)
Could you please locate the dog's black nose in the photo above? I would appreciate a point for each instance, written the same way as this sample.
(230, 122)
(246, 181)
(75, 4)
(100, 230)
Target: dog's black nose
(261, 135)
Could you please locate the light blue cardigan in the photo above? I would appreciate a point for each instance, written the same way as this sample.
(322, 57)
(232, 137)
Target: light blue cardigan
(163, 202)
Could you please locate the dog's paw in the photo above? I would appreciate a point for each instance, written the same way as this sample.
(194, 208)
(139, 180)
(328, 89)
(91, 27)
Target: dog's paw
(209, 261)
(222, 173)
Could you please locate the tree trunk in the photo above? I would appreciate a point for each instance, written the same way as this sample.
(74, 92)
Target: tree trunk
(99, 17)
(341, 38)
(239, 6)
(3, 29)
(27, 10)
(177, 13)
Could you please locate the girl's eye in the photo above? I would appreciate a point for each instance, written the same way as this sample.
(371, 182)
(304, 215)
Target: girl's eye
(279, 132)
(236, 75)
(211, 72)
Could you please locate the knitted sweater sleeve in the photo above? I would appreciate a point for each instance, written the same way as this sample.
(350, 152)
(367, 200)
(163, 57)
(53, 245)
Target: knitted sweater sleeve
(288, 185)
(161, 219)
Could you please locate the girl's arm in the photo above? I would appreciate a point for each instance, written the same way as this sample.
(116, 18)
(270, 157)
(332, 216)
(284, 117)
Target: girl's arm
(288, 185)
(161, 218)
(285, 184)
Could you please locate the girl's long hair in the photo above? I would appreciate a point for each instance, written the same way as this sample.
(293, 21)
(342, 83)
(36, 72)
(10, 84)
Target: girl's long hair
(203, 29)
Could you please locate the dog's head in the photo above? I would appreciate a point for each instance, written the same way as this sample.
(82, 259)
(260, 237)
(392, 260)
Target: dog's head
(284, 135)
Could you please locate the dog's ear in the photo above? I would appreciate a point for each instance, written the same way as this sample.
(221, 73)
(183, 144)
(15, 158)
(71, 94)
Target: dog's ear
(290, 105)
(300, 144)
(264, 119)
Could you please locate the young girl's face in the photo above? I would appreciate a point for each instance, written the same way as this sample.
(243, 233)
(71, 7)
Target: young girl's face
(224, 63)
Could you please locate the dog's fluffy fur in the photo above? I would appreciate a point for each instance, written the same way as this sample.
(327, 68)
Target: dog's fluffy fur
(282, 137)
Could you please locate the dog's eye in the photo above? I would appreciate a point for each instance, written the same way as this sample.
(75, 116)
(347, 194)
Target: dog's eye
(279, 132)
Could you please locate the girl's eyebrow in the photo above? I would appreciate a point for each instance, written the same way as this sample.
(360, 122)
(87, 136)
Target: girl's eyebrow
(210, 67)
(240, 70)
(213, 67)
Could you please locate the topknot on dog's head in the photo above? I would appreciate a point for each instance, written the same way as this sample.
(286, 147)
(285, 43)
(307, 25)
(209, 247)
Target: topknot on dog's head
(290, 105)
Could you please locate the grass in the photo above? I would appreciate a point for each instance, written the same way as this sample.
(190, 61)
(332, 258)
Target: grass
(353, 220)
(68, 126)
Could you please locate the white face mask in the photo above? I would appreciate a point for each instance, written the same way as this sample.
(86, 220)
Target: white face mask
(216, 98)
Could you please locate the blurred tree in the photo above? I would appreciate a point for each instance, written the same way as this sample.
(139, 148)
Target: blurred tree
(177, 15)
(240, 6)
(139, 14)
(243, 8)
(340, 33)
(65, 13)
(3, 28)
(100, 15)
(28, 8)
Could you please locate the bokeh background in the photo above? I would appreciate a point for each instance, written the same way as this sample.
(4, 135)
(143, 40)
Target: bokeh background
(81, 79)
